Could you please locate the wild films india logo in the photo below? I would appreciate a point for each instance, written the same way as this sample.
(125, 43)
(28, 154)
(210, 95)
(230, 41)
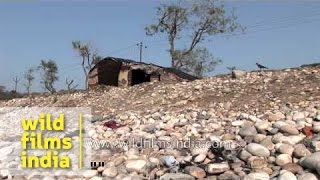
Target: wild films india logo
(32, 138)
(44, 140)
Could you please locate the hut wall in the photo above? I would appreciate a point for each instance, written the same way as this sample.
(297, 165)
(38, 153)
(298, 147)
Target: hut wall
(93, 78)
(109, 73)
(123, 78)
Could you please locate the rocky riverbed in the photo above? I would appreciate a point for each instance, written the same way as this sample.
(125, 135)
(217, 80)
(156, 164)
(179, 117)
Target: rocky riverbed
(261, 125)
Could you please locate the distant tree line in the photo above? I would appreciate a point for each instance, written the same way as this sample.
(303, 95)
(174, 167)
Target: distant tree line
(48, 73)
(5, 95)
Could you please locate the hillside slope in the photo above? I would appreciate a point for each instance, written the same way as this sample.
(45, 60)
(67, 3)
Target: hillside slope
(272, 118)
(255, 92)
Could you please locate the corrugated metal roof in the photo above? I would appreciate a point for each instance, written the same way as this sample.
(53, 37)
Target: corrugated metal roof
(177, 72)
(181, 74)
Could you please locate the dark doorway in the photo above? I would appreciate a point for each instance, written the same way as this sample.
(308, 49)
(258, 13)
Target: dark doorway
(139, 76)
(109, 72)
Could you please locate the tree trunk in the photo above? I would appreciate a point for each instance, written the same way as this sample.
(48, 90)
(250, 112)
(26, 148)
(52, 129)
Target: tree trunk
(85, 73)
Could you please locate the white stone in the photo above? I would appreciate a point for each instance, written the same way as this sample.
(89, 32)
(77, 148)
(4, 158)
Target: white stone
(262, 125)
(315, 145)
(4, 173)
(258, 150)
(289, 129)
(200, 158)
(257, 176)
(96, 178)
(307, 176)
(176, 176)
(286, 175)
(48, 178)
(90, 173)
(300, 150)
(110, 172)
(196, 151)
(237, 123)
(285, 148)
(283, 159)
(5, 151)
(298, 115)
(137, 165)
(217, 168)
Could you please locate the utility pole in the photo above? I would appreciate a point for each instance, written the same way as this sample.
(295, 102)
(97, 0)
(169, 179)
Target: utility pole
(141, 47)
(16, 80)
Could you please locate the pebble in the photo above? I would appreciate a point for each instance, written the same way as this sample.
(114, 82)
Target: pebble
(170, 161)
(119, 160)
(294, 139)
(90, 173)
(136, 165)
(4, 173)
(244, 155)
(267, 142)
(285, 149)
(201, 150)
(298, 116)
(300, 150)
(257, 176)
(48, 178)
(195, 171)
(200, 158)
(307, 176)
(176, 176)
(292, 167)
(316, 127)
(283, 159)
(286, 175)
(257, 162)
(248, 131)
(228, 175)
(258, 150)
(289, 129)
(276, 116)
(262, 125)
(217, 168)
(259, 137)
(5, 151)
(311, 161)
(237, 123)
(110, 172)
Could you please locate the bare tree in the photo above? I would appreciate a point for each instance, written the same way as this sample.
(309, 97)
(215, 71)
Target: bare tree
(70, 85)
(195, 23)
(16, 81)
(89, 58)
(49, 70)
(29, 77)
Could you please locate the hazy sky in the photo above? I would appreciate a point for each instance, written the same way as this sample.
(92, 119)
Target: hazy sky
(279, 34)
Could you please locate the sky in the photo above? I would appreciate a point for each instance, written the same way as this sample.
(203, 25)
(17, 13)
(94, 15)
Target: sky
(279, 34)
